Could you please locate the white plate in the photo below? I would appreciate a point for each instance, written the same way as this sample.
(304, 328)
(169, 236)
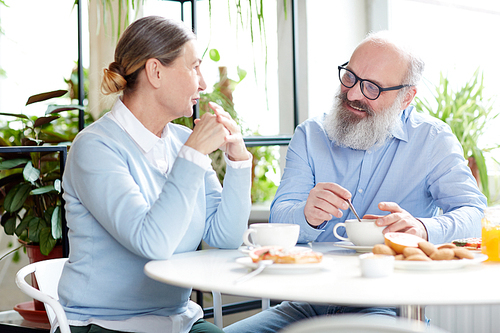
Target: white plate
(351, 246)
(437, 265)
(285, 268)
(246, 249)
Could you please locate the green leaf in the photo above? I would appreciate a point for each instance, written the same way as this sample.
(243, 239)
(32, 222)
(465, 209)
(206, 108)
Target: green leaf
(10, 225)
(241, 73)
(60, 108)
(17, 257)
(30, 173)
(55, 222)
(42, 190)
(44, 120)
(13, 163)
(47, 215)
(47, 242)
(17, 115)
(57, 185)
(3, 219)
(35, 226)
(23, 225)
(45, 96)
(214, 55)
(16, 197)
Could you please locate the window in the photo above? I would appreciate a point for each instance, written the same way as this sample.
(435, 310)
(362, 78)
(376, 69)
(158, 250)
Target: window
(38, 50)
(255, 97)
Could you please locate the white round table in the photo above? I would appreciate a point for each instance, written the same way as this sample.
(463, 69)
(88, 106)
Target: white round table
(339, 282)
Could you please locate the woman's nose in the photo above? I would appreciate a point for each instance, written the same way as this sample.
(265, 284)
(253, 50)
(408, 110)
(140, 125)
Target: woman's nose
(202, 85)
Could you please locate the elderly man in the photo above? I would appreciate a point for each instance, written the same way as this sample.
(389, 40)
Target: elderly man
(375, 149)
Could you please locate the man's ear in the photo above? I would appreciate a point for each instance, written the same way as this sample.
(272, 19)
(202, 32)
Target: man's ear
(409, 95)
(153, 72)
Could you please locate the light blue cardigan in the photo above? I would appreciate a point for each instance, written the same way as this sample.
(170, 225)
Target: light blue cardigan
(123, 212)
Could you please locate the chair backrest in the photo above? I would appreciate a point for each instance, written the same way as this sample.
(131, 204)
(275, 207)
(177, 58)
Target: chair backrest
(48, 274)
(360, 324)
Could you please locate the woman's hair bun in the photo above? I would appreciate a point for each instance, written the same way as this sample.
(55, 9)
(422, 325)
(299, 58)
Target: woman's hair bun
(113, 79)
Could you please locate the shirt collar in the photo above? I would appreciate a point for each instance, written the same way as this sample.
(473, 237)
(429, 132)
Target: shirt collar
(401, 132)
(144, 138)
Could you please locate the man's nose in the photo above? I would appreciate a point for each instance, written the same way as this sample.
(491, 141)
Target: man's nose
(354, 93)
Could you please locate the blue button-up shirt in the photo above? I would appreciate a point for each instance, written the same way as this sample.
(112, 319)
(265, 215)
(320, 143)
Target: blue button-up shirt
(421, 168)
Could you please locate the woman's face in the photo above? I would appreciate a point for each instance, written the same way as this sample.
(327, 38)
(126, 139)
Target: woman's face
(183, 83)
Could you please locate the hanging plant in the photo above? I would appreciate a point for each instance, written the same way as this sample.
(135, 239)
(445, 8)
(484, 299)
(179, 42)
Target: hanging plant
(123, 16)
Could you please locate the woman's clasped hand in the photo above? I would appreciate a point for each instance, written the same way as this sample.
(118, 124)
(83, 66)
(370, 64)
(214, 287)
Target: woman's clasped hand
(218, 131)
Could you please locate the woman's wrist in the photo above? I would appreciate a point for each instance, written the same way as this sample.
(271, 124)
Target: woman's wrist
(242, 157)
(245, 163)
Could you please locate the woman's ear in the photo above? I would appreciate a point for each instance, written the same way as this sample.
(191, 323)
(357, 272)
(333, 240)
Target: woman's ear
(152, 70)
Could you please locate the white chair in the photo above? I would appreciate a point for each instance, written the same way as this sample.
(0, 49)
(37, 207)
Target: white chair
(47, 273)
(346, 323)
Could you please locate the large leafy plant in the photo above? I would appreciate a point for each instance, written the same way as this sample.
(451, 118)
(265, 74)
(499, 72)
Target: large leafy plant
(468, 113)
(30, 184)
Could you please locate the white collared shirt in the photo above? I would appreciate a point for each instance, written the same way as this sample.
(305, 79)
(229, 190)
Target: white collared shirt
(155, 149)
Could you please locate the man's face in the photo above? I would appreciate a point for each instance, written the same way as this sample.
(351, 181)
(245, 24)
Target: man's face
(381, 64)
(358, 122)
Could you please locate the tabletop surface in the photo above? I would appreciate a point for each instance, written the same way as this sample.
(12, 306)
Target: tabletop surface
(339, 281)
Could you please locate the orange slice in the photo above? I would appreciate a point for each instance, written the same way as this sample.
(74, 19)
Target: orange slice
(398, 241)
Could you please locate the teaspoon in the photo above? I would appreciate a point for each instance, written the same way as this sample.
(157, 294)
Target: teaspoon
(352, 209)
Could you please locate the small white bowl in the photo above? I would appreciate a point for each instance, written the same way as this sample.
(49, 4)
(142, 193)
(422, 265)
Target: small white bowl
(376, 265)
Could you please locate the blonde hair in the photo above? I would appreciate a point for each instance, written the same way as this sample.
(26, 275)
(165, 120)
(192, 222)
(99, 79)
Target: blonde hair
(148, 37)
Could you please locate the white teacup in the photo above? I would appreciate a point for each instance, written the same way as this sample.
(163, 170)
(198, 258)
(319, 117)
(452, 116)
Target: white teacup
(270, 234)
(364, 233)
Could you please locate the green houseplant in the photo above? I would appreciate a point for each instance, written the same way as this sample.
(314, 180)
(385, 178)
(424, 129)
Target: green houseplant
(30, 184)
(468, 113)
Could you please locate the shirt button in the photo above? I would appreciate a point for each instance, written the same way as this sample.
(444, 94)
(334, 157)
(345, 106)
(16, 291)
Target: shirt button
(360, 190)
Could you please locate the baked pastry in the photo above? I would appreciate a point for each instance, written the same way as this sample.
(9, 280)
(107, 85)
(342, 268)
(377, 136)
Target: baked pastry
(473, 243)
(281, 256)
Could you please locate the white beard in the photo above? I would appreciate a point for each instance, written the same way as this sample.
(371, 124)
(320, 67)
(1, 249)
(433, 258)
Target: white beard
(348, 130)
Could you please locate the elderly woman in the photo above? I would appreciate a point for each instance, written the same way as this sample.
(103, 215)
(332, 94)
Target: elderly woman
(138, 187)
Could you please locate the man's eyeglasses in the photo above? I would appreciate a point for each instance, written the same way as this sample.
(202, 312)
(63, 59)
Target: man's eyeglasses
(369, 89)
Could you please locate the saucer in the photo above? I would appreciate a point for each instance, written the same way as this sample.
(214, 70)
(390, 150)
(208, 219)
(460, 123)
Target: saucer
(351, 246)
(246, 249)
(287, 268)
(28, 312)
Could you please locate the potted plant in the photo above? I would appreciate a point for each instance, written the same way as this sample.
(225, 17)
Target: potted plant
(30, 182)
(468, 113)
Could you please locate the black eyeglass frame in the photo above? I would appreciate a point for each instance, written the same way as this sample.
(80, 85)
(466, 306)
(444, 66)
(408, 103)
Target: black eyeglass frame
(380, 89)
